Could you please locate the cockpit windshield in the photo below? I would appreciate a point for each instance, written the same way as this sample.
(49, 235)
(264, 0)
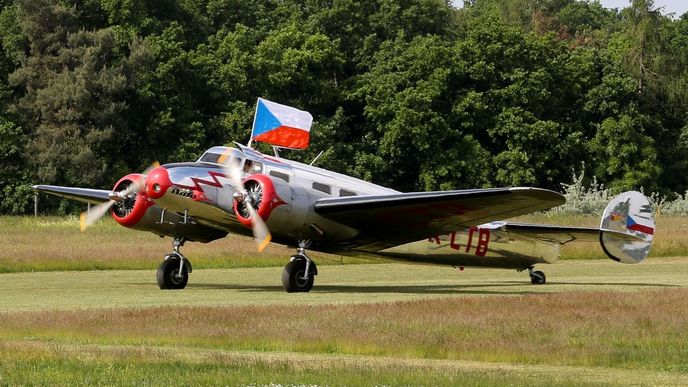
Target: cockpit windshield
(220, 155)
(225, 155)
(209, 157)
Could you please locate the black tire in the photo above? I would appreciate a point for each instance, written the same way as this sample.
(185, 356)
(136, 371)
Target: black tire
(292, 276)
(167, 274)
(538, 278)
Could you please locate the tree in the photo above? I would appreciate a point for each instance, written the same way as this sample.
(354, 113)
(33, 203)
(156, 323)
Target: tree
(626, 155)
(73, 87)
(14, 174)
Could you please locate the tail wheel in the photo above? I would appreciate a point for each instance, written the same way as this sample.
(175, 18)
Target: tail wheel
(537, 278)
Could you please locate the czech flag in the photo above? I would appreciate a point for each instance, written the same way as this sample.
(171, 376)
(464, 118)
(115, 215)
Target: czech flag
(281, 125)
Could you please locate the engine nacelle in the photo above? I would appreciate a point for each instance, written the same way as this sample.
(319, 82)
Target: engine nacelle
(263, 190)
(287, 209)
(138, 212)
(133, 208)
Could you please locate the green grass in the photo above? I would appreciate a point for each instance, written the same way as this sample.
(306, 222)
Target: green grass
(336, 284)
(55, 243)
(595, 322)
(598, 329)
(36, 363)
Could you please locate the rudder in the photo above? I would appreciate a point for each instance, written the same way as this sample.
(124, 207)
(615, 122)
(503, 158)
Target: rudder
(627, 228)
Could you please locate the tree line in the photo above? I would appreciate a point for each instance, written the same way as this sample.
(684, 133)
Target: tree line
(411, 94)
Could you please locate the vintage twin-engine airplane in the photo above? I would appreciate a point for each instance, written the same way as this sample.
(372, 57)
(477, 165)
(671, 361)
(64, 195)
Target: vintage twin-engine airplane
(239, 190)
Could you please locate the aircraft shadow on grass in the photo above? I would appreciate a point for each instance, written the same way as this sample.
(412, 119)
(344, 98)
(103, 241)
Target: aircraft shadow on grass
(417, 289)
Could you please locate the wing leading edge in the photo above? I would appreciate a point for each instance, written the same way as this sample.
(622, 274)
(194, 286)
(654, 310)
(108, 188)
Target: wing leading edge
(389, 220)
(86, 195)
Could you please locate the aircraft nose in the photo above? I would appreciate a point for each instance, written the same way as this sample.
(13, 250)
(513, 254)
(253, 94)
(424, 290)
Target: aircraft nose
(157, 182)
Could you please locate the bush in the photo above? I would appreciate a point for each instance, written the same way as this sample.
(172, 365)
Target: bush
(593, 198)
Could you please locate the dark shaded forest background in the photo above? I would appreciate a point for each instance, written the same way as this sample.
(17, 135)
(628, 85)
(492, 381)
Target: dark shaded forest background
(411, 94)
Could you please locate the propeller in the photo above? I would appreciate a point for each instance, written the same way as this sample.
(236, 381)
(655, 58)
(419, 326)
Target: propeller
(261, 234)
(89, 218)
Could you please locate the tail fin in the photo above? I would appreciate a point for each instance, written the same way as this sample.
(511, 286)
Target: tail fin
(627, 228)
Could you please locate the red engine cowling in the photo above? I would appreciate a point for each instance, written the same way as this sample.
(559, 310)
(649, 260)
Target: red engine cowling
(139, 212)
(265, 199)
(130, 211)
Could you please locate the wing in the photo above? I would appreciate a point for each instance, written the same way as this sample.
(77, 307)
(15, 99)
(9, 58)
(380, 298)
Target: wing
(86, 195)
(388, 220)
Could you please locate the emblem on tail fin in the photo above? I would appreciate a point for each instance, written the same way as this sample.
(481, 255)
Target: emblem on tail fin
(635, 226)
(620, 219)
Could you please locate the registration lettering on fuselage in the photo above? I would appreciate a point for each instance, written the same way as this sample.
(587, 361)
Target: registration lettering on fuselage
(475, 240)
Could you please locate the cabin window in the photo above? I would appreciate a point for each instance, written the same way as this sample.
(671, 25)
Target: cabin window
(322, 187)
(280, 175)
(343, 192)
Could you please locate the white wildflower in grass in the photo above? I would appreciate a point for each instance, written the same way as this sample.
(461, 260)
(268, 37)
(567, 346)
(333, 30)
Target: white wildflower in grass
(593, 198)
(679, 206)
(582, 200)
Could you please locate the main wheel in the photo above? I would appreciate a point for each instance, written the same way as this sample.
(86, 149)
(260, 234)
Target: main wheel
(168, 274)
(292, 276)
(537, 278)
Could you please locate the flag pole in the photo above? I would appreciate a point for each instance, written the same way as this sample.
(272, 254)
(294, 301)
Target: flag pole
(253, 128)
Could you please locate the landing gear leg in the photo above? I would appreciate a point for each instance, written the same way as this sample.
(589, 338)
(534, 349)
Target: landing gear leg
(173, 272)
(536, 277)
(298, 275)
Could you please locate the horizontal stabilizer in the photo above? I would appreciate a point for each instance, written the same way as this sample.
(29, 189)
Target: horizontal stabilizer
(625, 233)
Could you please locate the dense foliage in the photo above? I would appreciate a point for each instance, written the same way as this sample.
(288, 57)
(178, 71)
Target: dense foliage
(413, 94)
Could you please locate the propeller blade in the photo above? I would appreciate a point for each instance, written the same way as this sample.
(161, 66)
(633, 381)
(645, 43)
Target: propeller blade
(261, 233)
(234, 172)
(89, 218)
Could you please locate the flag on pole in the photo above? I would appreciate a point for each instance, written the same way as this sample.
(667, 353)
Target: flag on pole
(281, 125)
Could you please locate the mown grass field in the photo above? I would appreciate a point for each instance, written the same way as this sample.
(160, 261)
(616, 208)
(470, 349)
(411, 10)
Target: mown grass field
(595, 322)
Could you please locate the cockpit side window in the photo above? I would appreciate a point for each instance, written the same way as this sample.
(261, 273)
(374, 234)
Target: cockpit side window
(251, 166)
(322, 187)
(343, 192)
